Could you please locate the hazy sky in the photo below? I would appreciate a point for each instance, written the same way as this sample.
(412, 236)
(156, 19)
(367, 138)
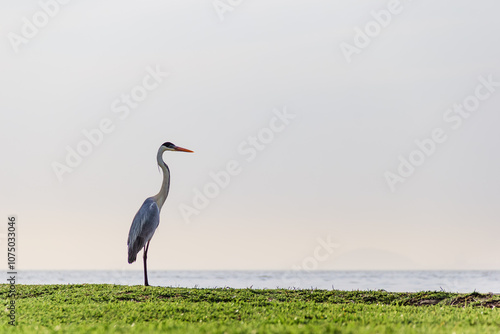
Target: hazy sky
(357, 136)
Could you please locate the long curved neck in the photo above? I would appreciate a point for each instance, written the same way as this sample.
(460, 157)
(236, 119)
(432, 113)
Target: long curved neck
(165, 186)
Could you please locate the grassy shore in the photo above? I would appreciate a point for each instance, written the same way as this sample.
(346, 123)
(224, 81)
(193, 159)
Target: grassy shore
(103, 308)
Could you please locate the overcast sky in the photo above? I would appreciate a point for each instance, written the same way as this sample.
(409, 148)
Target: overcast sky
(341, 135)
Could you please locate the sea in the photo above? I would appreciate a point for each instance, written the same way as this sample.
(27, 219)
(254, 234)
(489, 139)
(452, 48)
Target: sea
(392, 281)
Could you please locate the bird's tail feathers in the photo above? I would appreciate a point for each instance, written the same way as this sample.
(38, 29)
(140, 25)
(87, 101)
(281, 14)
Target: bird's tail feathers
(132, 254)
(132, 258)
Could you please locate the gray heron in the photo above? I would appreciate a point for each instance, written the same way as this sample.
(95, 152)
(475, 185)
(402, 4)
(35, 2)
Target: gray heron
(147, 219)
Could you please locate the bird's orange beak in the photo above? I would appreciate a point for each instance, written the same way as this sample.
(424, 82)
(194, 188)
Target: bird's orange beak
(182, 149)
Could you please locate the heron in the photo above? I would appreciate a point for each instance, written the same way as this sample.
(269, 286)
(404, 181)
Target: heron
(147, 219)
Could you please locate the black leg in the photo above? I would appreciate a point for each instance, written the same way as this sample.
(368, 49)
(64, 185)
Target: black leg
(145, 266)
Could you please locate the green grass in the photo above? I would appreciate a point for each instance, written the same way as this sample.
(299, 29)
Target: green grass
(92, 308)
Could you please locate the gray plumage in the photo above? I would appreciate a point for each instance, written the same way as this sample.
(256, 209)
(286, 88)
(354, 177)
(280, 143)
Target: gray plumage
(143, 227)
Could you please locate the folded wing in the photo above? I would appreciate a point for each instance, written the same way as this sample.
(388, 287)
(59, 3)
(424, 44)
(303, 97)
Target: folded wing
(143, 227)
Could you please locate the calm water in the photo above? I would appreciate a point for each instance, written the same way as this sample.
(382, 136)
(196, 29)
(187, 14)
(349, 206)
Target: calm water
(395, 281)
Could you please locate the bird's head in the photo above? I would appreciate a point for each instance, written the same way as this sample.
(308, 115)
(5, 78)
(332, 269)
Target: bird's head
(168, 146)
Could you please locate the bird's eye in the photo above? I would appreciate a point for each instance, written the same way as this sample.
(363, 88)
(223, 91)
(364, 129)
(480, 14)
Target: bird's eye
(168, 145)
